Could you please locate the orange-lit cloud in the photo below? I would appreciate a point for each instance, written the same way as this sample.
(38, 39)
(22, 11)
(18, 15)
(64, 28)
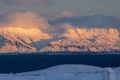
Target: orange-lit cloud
(27, 20)
(26, 26)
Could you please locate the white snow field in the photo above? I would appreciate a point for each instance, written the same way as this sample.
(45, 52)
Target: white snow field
(67, 72)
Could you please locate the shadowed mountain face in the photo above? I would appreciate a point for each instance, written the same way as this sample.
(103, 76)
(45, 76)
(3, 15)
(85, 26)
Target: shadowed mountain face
(98, 20)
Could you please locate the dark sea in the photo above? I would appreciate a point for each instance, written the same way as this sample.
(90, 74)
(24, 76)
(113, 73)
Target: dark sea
(16, 63)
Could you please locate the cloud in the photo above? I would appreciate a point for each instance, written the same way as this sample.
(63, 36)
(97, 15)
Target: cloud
(27, 2)
(32, 27)
(63, 14)
(93, 20)
(27, 20)
(70, 32)
(26, 26)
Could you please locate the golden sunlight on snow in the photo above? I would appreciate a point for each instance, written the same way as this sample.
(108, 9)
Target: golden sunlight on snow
(33, 34)
(87, 33)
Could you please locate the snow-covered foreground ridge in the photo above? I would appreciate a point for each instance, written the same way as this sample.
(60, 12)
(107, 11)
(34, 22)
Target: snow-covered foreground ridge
(72, 39)
(67, 72)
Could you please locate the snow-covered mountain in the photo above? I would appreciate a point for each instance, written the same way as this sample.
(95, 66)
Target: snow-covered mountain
(14, 45)
(73, 40)
(86, 40)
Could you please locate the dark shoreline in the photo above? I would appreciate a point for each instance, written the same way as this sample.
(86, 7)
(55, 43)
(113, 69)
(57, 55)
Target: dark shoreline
(61, 53)
(16, 63)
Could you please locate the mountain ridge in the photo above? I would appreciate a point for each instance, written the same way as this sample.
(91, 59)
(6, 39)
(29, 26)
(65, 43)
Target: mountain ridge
(86, 40)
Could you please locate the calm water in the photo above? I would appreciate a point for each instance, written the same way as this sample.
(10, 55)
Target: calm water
(30, 62)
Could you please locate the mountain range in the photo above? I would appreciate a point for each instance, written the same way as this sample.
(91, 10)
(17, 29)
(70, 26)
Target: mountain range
(74, 40)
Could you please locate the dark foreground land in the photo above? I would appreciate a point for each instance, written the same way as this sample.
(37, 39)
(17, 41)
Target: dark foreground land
(15, 63)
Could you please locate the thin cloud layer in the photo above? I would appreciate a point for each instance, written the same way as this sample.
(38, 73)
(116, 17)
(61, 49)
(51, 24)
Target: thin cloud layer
(27, 2)
(64, 14)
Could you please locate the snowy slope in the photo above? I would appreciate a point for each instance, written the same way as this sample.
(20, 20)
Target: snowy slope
(14, 45)
(66, 72)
